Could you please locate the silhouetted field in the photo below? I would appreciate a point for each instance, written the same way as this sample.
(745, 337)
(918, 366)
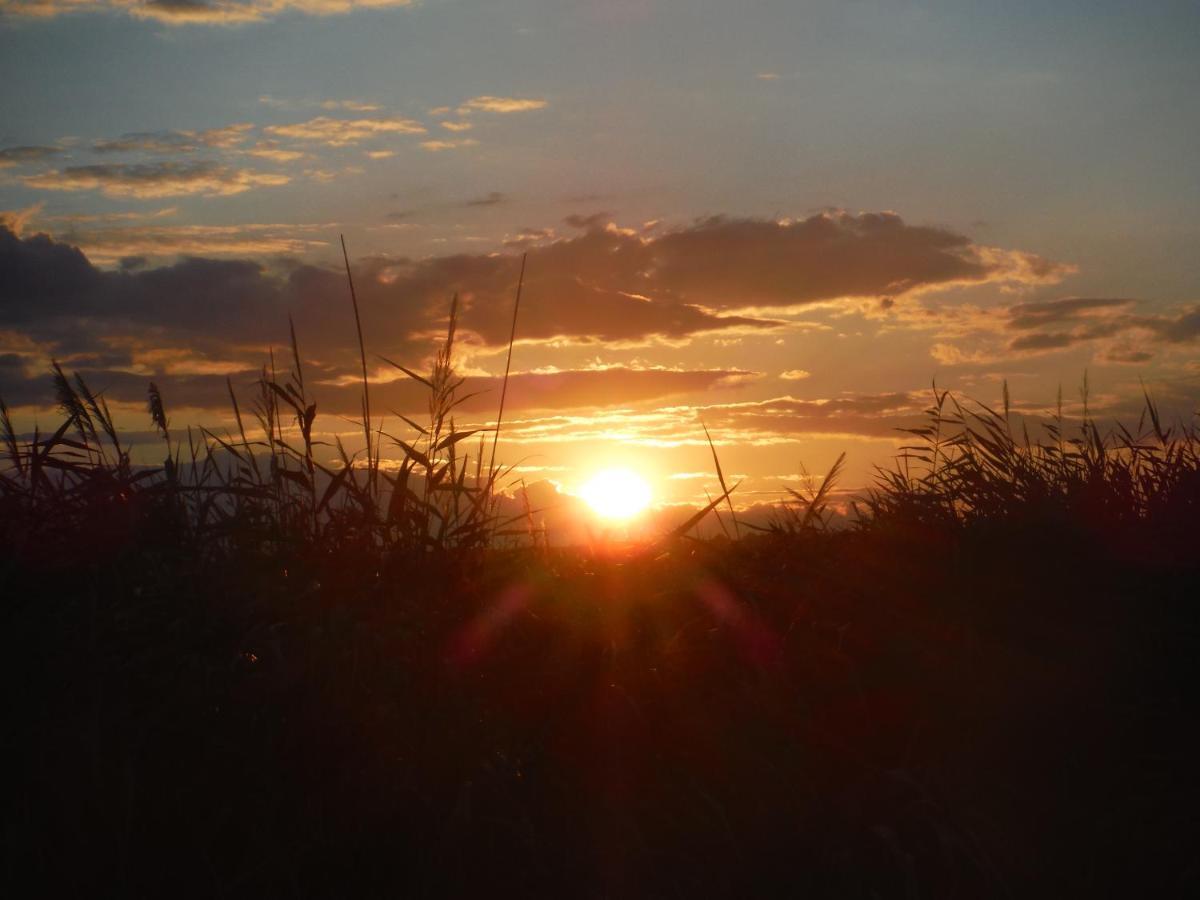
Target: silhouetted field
(248, 671)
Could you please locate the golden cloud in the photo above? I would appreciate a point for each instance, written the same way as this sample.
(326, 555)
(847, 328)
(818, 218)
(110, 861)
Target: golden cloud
(500, 105)
(339, 132)
(150, 180)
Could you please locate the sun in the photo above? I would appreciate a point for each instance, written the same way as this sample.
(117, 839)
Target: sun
(617, 493)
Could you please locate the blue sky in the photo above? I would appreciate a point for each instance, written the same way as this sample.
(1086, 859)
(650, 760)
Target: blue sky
(1064, 133)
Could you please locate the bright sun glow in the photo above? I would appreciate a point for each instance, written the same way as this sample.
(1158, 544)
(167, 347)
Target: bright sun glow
(617, 493)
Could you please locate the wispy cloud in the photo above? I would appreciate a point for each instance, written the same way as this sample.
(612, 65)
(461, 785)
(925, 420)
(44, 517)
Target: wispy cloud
(327, 175)
(352, 105)
(494, 198)
(310, 103)
(492, 104)
(193, 12)
(107, 245)
(1112, 328)
(150, 180)
(15, 220)
(339, 132)
(175, 141)
(15, 156)
(436, 145)
(273, 151)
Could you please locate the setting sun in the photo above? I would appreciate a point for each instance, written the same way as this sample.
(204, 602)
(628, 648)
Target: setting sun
(617, 493)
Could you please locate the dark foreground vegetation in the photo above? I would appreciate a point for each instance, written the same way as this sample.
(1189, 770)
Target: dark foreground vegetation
(249, 672)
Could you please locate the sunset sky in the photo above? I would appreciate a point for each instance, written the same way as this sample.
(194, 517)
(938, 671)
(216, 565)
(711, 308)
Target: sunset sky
(783, 218)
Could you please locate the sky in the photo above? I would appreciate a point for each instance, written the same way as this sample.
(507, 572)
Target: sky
(785, 220)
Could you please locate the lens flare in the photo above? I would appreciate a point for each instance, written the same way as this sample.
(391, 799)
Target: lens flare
(617, 493)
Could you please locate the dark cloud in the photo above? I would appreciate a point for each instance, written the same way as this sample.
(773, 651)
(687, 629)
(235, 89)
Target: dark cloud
(1026, 316)
(1175, 330)
(588, 222)
(46, 283)
(725, 263)
(1051, 341)
(1128, 356)
(1074, 321)
(185, 8)
(493, 198)
(604, 285)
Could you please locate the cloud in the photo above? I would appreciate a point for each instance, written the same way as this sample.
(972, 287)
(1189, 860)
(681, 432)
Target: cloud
(149, 180)
(15, 156)
(600, 286)
(1026, 316)
(272, 151)
(175, 141)
(863, 415)
(598, 388)
(105, 246)
(54, 295)
(75, 219)
(189, 379)
(494, 198)
(1054, 341)
(594, 220)
(193, 12)
(352, 105)
(1176, 329)
(339, 132)
(1058, 324)
(794, 374)
(777, 420)
(527, 236)
(456, 126)
(500, 105)
(435, 146)
(1113, 327)
(15, 220)
(743, 263)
